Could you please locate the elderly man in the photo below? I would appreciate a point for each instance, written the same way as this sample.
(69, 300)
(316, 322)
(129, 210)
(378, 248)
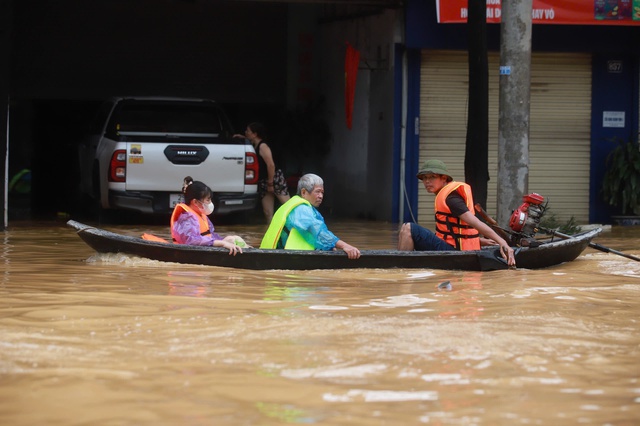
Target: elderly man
(457, 227)
(298, 225)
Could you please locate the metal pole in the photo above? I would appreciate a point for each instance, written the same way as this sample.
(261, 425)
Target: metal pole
(6, 172)
(403, 139)
(6, 15)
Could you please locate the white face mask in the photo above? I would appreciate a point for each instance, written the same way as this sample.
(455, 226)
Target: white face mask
(208, 208)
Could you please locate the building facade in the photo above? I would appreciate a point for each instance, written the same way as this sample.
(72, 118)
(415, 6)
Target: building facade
(584, 91)
(261, 58)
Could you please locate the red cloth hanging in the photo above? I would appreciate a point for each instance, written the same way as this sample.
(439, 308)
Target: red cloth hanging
(351, 61)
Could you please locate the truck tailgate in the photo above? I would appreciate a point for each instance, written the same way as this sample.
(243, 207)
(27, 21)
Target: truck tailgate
(162, 167)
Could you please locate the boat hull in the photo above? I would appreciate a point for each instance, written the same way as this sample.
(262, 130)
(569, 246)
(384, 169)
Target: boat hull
(549, 254)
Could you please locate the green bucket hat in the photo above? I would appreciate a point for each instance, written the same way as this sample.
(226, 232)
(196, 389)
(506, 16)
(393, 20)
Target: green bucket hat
(436, 167)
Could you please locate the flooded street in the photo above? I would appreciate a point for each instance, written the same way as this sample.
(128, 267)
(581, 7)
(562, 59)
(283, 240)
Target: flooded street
(91, 339)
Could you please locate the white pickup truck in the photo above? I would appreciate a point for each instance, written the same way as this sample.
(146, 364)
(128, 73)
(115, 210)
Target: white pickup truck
(139, 150)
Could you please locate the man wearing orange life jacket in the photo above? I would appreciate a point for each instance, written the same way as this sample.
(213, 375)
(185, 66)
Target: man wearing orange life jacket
(457, 227)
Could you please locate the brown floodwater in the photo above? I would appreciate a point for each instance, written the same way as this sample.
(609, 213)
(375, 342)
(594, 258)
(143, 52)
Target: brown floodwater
(89, 339)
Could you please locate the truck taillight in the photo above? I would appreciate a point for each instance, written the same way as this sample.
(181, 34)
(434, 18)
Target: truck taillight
(118, 166)
(250, 168)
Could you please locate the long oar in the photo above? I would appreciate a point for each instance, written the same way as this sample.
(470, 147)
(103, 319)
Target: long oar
(593, 245)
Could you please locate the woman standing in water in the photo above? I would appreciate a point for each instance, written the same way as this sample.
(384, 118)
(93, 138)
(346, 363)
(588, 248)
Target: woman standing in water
(271, 181)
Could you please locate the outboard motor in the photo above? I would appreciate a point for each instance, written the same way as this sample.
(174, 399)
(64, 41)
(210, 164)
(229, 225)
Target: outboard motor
(525, 220)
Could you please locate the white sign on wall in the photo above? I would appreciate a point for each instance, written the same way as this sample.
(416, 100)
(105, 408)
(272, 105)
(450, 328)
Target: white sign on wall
(612, 118)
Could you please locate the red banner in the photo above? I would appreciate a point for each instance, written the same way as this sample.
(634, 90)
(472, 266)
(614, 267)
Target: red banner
(351, 61)
(566, 12)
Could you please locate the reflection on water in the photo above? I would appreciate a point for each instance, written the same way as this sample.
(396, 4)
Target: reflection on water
(113, 339)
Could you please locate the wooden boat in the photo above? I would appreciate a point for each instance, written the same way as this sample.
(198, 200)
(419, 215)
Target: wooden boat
(550, 252)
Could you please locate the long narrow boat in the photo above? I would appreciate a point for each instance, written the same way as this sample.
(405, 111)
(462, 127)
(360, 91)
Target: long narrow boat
(550, 252)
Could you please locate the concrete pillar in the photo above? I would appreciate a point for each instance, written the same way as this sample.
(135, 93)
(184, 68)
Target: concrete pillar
(513, 125)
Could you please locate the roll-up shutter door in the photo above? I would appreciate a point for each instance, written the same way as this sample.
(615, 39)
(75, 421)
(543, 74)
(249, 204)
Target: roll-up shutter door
(559, 133)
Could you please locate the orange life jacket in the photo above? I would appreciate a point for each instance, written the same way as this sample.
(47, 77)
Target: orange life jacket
(202, 219)
(151, 237)
(451, 229)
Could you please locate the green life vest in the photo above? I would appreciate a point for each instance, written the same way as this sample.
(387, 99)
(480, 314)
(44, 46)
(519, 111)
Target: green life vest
(295, 241)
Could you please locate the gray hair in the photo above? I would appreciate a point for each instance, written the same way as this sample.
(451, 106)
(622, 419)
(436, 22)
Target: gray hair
(308, 182)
